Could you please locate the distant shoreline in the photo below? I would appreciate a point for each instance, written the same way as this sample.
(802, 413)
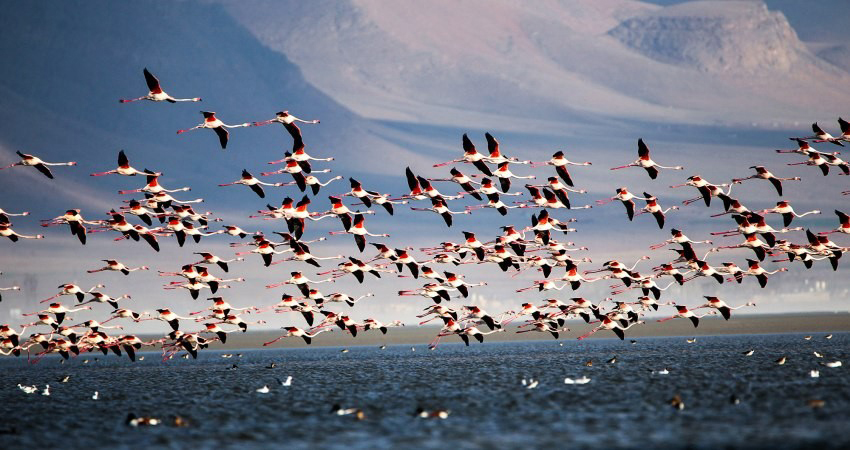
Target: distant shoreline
(741, 324)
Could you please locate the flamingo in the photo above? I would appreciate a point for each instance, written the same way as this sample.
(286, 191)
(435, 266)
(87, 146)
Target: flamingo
(627, 198)
(752, 242)
(218, 331)
(156, 93)
(35, 161)
(124, 168)
(646, 162)
(702, 185)
(464, 181)
(685, 313)
(818, 160)
(58, 310)
(301, 252)
(476, 313)
(760, 273)
(788, 214)
(612, 325)
(288, 122)
(822, 136)
(843, 224)
(764, 174)
(73, 289)
(720, 305)
(213, 123)
(845, 129)
(560, 163)
(504, 174)
(112, 264)
(470, 155)
(299, 280)
(653, 208)
(253, 183)
(495, 156)
(833, 160)
(438, 205)
(75, 221)
(210, 258)
(457, 282)
(7, 232)
(152, 186)
(358, 230)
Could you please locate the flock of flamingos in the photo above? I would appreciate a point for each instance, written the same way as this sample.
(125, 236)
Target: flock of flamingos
(534, 247)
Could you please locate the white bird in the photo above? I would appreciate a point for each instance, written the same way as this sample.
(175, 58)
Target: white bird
(28, 389)
(46, 390)
(833, 364)
(264, 390)
(814, 374)
(663, 371)
(95, 396)
(582, 380)
(288, 381)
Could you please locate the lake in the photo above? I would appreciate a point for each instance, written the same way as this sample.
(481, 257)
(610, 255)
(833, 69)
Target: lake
(624, 405)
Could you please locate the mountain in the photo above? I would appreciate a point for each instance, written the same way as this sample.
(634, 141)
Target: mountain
(535, 68)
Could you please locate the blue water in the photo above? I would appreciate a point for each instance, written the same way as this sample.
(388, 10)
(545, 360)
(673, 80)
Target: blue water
(624, 405)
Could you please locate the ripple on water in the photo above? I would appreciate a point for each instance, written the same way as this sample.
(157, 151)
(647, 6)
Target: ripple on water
(625, 404)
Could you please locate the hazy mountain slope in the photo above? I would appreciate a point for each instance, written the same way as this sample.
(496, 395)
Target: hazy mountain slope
(70, 63)
(477, 62)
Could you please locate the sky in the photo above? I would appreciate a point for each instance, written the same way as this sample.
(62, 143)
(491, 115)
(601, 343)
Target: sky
(386, 107)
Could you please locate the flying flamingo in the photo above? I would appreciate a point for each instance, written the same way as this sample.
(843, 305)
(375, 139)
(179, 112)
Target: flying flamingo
(220, 128)
(560, 163)
(58, 311)
(464, 181)
(702, 186)
(73, 289)
(210, 258)
(788, 214)
(152, 186)
(764, 174)
(253, 183)
(470, 155)
(124, 168)
(35, 161)
(760, 273)
(504, 174)
(833, 160)
(112, 264)
(612, 325)
(646, 162)
(819, 160)
(7, 232)
(496, 156)
(720, 305)
(156, 93)
(298, 332)
(821, 136)
(843, 224)
(438, 205)
(653, 208)
(753, 243)
(627, 198)
(358, 230)
(298, 153)
(685, 313)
